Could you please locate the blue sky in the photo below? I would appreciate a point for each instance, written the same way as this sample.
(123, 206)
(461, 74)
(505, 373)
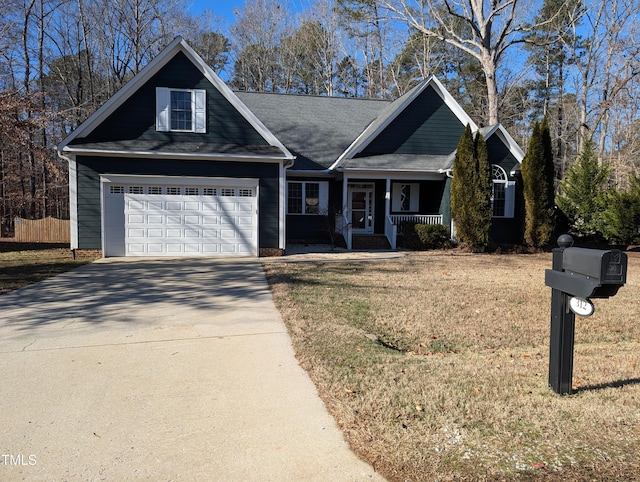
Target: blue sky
(222, 8)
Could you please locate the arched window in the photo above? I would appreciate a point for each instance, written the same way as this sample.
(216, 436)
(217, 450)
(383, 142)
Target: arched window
(498, 195)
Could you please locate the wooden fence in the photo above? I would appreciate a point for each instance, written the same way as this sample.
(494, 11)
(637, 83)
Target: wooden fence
(47, 230)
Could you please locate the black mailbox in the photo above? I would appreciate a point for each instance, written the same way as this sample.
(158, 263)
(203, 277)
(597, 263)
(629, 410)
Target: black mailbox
(589, 273)
(577, 273)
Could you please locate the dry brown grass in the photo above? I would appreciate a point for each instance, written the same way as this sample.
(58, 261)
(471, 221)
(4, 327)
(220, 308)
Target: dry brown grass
(436, 366)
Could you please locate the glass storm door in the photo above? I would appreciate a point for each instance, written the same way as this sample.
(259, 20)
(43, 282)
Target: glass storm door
(361, 209)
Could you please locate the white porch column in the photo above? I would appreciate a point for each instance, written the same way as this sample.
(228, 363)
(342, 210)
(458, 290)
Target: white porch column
(345, 211)
(387, 200)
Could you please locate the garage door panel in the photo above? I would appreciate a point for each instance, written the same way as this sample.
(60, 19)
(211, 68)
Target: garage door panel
(210, 220)
(173, 205)
(174, 224)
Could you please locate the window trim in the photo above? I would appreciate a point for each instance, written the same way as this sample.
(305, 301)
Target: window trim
(499, 176)
(198, 110)
(414, 197)
(323, 197)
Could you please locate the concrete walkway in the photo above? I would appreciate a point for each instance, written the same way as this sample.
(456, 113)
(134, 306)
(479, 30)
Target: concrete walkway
(172, 369)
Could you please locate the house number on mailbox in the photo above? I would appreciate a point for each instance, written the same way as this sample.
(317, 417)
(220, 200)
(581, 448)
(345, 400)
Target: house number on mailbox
(581, 307)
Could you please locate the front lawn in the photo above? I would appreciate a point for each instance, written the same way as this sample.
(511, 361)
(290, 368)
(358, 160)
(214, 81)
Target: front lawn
(435, 367)
(22, 265)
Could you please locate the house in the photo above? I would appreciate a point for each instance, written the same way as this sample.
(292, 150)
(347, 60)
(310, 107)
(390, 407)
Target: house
(176, 163)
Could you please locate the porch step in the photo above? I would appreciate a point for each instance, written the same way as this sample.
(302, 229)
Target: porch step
(370, 241)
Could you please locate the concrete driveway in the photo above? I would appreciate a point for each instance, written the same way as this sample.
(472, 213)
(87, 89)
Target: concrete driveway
(171, 369)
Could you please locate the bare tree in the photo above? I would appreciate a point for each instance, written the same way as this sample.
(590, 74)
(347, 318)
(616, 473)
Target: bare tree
(484, 29)
(607, 59)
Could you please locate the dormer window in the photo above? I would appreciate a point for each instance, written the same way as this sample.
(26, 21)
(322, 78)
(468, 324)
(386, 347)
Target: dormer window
(181, 110)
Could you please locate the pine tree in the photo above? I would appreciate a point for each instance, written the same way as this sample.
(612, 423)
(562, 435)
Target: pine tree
(537, 176)
(582, 191)
(471, 192)
(621, 217)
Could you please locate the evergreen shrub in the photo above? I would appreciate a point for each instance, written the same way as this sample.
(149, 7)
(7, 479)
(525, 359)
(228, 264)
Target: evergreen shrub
(426, 236)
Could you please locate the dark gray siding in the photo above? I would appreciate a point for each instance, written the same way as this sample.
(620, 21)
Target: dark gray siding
(89, 217)
(506, 231)
(499, 154)
(89, 169)
(305, 228)
(445, 205)
(135, 118)
(426, 126)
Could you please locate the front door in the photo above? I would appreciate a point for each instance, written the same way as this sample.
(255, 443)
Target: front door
(361, 207)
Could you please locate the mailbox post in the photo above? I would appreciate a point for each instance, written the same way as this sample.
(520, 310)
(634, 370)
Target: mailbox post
(563, 323)
(577, 275)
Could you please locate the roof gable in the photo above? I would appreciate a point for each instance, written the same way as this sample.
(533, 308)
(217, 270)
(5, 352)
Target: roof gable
(126, 122)
(425, 121)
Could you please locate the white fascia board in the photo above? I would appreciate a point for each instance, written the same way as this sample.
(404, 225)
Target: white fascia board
(177, 45)
(172, 155)
(510, 142)
(457, 110)
(373, 130)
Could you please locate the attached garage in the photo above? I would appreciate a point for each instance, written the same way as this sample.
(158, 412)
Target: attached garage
(165, 216)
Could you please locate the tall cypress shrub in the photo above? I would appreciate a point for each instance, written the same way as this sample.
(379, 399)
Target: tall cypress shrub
(539, 197)
(471, 192)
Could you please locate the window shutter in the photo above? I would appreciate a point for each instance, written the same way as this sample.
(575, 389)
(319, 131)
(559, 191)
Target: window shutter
(200, 111)
(162, 109)
(323, 202)
(509, 199)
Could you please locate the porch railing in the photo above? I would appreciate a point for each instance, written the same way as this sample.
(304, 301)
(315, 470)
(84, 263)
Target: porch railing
(398, 219)
(344, 226)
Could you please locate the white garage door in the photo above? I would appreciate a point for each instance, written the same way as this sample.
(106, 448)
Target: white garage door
(172, 220)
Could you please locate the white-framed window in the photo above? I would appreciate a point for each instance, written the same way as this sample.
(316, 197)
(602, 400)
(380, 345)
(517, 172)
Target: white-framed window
(227, 192)
(209, 191)
(503, 193)
(181, 110)
(405, 197)
(307, 197)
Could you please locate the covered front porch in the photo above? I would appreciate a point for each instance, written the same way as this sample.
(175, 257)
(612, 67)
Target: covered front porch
(379, 205)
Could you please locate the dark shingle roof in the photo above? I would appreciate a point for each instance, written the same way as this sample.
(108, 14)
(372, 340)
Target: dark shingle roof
(315, 129)
(402, 162)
